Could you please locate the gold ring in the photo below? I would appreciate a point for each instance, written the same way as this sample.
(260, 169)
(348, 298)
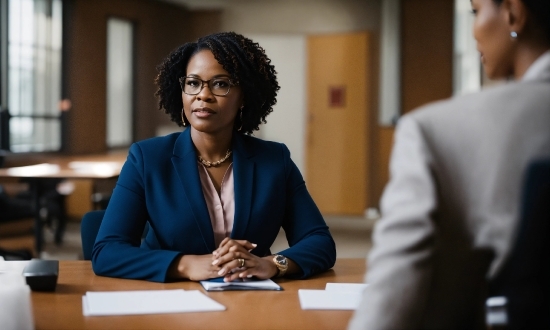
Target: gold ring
(242, 262)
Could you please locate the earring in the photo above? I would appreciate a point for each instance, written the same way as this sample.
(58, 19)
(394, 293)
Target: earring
(182, 119)
(241, 116)
(514, 35)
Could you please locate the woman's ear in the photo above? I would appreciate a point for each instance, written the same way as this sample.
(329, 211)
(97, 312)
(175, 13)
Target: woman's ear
(515, 14)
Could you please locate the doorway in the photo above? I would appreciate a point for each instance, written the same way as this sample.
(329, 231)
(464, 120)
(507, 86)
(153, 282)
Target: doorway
(337, 146)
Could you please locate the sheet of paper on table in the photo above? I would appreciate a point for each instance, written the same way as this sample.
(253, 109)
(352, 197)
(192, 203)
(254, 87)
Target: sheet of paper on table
(346, 287)
(13, 266)
(147, 302)
(15, 302)
(336, 296)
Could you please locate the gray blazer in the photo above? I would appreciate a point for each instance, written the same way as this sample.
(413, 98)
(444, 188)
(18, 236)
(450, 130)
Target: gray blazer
(450, 210)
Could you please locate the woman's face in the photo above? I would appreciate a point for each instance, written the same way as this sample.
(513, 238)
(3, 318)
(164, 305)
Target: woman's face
(492, 34)
(205, 111)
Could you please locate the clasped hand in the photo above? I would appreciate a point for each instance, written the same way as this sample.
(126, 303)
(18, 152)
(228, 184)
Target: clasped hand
(232, 260)
(236, 261)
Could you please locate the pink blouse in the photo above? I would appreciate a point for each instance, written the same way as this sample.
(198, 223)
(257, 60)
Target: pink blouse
(220, 207)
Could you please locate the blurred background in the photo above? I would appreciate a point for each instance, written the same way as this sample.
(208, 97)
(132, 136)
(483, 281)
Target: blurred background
(77, 78)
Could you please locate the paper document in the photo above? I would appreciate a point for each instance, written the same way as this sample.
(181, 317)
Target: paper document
(336, 296)
(346, 287)
(217, 284)
(147, 302)
(329, 300)
(12, 266)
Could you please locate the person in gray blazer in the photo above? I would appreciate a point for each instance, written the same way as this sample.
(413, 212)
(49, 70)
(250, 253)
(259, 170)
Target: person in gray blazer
(451, 208)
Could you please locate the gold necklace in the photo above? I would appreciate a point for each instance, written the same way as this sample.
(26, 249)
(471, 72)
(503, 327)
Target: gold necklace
(214, 164)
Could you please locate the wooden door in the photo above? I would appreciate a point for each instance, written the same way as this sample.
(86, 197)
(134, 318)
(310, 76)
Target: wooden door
(338, 120)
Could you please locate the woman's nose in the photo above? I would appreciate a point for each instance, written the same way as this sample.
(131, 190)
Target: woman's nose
(205, 93)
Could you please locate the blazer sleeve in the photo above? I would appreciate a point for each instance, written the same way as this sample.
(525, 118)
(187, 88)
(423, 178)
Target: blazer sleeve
(399, 264)
(117, 251)
(310, 243)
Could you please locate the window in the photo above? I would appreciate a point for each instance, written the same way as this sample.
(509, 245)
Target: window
(467, 64)
(390, 63)
(119, 82)
(31, 75)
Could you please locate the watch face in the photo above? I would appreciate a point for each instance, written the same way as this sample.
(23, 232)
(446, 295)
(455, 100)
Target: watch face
(281, 260)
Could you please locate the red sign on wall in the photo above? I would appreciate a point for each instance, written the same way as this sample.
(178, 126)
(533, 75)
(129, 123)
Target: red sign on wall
(337, 96)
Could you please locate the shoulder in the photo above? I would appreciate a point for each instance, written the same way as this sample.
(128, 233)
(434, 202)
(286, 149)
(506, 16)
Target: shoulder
(502, 96)
(486, 106)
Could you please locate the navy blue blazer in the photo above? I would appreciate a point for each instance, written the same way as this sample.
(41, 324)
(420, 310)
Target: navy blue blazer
(160, 183)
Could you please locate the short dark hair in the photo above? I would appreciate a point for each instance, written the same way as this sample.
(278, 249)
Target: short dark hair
(246, 63)
(540, 9)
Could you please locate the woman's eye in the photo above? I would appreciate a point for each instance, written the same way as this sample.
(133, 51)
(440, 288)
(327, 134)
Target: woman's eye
(474, 12)
(220, 84)
(192, 82)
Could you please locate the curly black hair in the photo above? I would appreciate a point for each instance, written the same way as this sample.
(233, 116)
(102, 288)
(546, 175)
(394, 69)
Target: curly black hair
(246, 63)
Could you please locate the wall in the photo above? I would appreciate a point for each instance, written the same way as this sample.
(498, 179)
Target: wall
(287, 122)
(159, 28)
(427, 51)
(305, 16)
(282, 28)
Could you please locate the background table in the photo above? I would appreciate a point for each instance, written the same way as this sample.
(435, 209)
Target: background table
(62, 309)
(102, 166)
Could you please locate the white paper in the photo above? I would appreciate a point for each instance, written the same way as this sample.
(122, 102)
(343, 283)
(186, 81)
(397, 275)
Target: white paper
(329, 300)
(346, 287)
(15, 299)
(240, 285)
(147, 302)
(13, 266)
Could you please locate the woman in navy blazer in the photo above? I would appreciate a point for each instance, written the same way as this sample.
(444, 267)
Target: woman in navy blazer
(222, 87)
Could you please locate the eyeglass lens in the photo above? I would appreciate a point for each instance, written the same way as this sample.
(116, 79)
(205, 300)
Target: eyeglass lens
(218, 86)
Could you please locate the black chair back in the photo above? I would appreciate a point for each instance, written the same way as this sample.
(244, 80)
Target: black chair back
(89, 227)
(525, 277)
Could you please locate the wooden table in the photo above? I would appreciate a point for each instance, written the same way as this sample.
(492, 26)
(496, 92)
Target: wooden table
(62, 309)
(103, 166)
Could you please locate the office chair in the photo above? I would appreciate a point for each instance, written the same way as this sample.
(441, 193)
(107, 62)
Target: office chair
(100, 200)
(524, 280)
(89, 227)
(15, 210)
(52, 207)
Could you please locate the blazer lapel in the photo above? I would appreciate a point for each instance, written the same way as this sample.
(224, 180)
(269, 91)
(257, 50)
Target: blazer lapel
(243, 174)
(184, 160)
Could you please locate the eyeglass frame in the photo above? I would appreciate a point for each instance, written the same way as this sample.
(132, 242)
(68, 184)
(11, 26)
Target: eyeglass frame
(207, 82)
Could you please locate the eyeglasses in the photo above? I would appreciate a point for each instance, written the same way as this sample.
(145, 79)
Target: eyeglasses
(218, 86)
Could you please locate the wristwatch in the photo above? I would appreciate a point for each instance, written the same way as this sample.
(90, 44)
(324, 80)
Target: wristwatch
(282, 264)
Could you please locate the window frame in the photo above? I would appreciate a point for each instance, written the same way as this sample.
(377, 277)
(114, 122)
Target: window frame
(5, 114)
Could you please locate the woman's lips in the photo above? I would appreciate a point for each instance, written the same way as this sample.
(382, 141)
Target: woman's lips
(203, 112)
